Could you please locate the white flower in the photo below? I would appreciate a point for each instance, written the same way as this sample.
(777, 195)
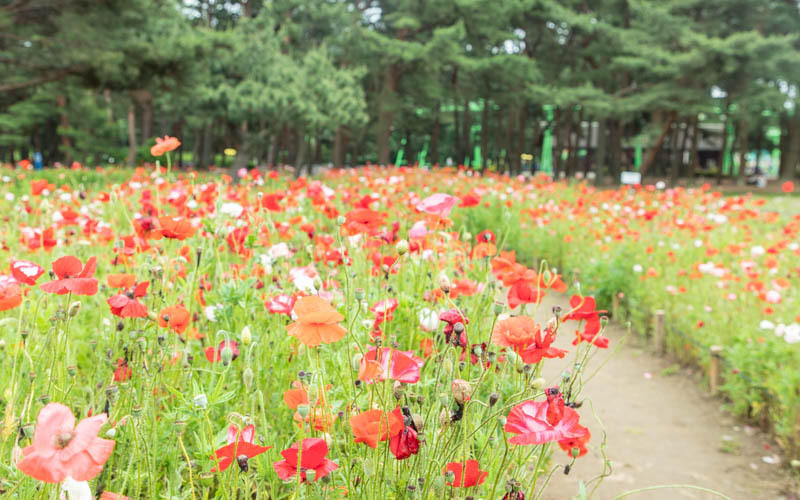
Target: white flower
(637, 268)
(9, 196)
(792, 335)
(428, 319)
(231, 209)
(279, 250)
(757, 251)
(766, 324)
(211, 312)
(661, 185)
(192, 204)
(77, 490)
(773, 297)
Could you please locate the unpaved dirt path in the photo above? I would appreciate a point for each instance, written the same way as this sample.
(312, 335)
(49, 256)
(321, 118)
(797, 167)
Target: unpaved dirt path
(662, 429)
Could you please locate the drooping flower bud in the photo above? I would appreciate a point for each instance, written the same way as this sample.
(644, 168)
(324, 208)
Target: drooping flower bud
(461, 390)
(247, 336)
(402, 247)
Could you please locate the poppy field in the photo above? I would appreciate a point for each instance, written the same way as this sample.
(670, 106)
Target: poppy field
(366, 333)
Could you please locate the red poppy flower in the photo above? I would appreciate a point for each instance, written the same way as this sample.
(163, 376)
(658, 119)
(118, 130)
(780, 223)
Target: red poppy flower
(123, 371)
(270, 202)
(240, 447)
(577, 442)
(362, 220)
(214, 355)
(524, 293)
(583, 309)
(73, 277)
(406, 442)
(25, 271)
(466, 474)
(312, 457)
(125, 304)
(451, 317)
(383, 363)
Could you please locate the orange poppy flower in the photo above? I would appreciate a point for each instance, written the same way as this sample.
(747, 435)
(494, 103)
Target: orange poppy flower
(123, 280)
(317, 322)
(164, 145)
(175, 227)
(372, 426)
(516, 331)
(177, 318)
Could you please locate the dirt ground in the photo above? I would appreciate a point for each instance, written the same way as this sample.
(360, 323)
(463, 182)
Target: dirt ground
(663, 428)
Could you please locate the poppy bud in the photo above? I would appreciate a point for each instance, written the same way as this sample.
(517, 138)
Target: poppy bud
(478, 350)
(112, 432)
(575, 452)
(419, 424)
(501, 420)
(538, 383)
(247, 337)
(493, 398)
(356, 361)
(398, 389)
(461, 390)
(567, 468)
(303, 410)
(242, 461)
(247, 377)
(449, 476)
(527, 368)
(112, 393)
(359, 293)
(447, 366)
(401, 247)
(200, 401)
(72, 370)
(444, 283)
(444, 417)
(74, 309)
(491, 356)
(498, 308)
(341, 220)
(512, 357)
(226, 355)
(27, 430)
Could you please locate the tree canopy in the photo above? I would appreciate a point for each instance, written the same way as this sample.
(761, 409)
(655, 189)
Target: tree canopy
(355, 81)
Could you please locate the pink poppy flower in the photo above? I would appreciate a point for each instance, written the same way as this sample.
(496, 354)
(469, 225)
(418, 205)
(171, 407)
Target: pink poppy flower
(375, 366)
(240, 447)
(532, 424)
(61, 450)
(437, 204)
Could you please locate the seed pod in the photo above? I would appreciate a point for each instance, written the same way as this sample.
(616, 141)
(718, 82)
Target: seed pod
(461, 390)
(493, 398)
(247, 377)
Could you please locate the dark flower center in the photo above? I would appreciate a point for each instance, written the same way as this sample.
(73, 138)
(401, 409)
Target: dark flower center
(63, 439)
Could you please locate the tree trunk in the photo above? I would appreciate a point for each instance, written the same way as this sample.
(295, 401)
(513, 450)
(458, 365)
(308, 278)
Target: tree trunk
(66, 144)
(485, 134)
(131, 134)
(457, 133)
(523, 122)
(615, 150)
(510, 123)
(601, 147)
(497, 137)
(724, 145)
(465, 131)
(243, 154)
(300, 158)
(385, 114)
(272, 150)
(437, 125)
(742, 150)
(208, 142)
(338, 151)
(107, 97)
(675, 165)
(695, 142)
(789, 147)
(652, 151)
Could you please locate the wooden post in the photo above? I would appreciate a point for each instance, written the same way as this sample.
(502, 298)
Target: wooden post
(714, 375)
(659, 332)
(615, 307)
